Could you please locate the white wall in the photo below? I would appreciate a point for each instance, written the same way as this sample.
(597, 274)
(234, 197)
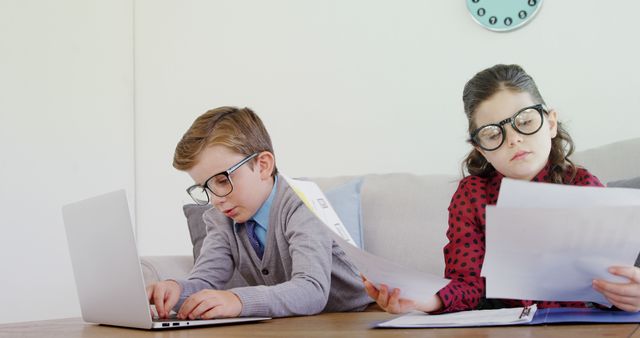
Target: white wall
(361, 86)
(66, 132)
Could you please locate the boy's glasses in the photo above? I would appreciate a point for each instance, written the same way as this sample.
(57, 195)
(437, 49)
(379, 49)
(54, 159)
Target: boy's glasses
(526, 121)
(219, 184)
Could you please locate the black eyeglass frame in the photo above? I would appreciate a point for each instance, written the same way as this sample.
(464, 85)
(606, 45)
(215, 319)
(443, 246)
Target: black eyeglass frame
(227, 173)
(540, 108)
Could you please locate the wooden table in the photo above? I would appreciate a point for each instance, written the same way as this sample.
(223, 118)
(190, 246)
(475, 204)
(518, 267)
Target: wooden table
(324, 325)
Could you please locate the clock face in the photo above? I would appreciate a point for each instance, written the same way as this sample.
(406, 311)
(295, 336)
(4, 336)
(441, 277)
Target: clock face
(503, 15)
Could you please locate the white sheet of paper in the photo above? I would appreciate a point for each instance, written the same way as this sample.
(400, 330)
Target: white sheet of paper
(508, 316)
(413, 284)
(555, 253)
(518, 193)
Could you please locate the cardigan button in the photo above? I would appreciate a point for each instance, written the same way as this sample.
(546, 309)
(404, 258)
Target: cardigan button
(265, 272)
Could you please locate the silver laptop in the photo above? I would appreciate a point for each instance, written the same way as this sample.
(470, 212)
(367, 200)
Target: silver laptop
(107, 267)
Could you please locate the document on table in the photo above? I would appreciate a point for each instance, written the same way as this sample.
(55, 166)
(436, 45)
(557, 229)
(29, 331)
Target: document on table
(413, 284)
(508, 316)
(512, 316)
(548, 242)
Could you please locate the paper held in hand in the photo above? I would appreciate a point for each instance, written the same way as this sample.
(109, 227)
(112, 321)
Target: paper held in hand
(413, 284)
(550, 241)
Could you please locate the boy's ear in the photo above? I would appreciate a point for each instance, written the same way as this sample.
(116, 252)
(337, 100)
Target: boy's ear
(552, 117)
(265, 162)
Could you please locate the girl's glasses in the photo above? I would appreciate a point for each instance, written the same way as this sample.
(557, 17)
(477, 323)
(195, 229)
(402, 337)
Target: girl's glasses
(526, 121)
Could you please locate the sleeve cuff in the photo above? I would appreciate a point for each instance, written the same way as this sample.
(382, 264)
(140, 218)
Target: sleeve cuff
(189, 287)
(254, 301)
(445, 302)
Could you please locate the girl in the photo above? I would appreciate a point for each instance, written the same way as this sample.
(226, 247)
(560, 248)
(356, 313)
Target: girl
(514, 135)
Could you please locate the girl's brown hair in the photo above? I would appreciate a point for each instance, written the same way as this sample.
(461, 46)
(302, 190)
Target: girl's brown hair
(239, 129)
(512, 77)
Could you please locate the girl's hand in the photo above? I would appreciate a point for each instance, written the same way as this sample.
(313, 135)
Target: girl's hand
(392, 303)
(625, 296)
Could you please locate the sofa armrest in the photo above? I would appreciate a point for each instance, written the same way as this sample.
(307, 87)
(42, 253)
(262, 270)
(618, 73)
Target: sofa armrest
(157, 268)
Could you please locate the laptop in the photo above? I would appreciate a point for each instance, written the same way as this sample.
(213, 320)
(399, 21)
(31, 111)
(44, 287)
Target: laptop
(107, 268)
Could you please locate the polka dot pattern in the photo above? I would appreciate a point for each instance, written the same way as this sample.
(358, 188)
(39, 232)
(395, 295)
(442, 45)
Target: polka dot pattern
(464, 254)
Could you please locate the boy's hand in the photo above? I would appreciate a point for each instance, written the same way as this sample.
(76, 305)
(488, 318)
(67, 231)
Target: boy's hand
(164, 295)
(207, 304)
(625, 296)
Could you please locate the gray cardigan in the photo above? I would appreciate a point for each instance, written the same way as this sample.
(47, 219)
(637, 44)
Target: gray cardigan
(303, 270)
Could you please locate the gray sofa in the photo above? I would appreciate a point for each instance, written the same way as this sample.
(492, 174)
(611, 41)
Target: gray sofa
(404, 216)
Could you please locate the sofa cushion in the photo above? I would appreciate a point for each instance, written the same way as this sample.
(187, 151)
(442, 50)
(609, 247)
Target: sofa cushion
(197, 229)
(405, 218)
(614, 161)
(629, 183)
(345, 200)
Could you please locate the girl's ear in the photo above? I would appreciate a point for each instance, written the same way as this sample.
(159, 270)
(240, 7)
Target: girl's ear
(483, 154)
(552, 117)
(265, 162)
(481, 151)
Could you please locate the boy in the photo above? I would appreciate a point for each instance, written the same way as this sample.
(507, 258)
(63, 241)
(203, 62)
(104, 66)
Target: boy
(259, 227)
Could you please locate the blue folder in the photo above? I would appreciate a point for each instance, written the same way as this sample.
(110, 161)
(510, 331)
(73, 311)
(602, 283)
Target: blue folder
(574, 315)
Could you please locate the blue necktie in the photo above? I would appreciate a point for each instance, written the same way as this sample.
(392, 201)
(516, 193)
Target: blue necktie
(253, 238)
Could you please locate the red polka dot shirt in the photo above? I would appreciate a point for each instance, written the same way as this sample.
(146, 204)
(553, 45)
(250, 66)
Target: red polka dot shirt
(464, 253)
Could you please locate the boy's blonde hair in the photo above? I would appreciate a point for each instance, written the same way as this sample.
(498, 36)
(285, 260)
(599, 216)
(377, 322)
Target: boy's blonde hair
(241, 130)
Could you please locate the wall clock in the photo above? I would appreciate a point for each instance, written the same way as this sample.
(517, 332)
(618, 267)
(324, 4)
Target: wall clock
(503, 15)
